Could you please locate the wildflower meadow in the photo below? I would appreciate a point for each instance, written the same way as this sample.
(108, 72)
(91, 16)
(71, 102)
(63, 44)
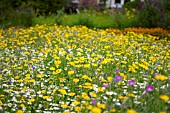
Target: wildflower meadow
(55, 69)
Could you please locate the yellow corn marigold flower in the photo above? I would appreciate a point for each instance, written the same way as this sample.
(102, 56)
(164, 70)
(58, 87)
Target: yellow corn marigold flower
(162, 112)
(101, 105)
(31, 100)
(43, 91)
(96, 110)
(72, 63)
(32, 80)
(93, 64)
(164, 97)
(70, 72)
(85, 96)
(46, 97)
(90, 107)
(57, 63)
(87, 84)
(64, 105)
(131, 111)
(122, 97)
(90, 79)
(57, 71)
(52, 68)
(71, 94)
(160, 77)
(27, 75)
(109, 79)
(76, 80)
(113, 110)
(19, 111)
(77, 109)
(1, 96)
(93, 94)
(80, 86)
(19, 80)
(40, 75)
(66, 112)
(123, 75)
(75, 102)
(100, 89)
(87, 66)
(131, 95)
(62, 79)
(22, 105)
(63, 91)
(1, 103)
(16, 77)
(85, 77)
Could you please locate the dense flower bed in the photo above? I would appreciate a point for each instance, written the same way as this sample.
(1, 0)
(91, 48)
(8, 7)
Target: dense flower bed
(62, 69)
(152, 31)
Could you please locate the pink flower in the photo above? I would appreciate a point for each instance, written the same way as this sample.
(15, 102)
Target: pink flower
(131, 82)
(94, 102)
(117, 78)
(117, 71)
(106, 85)
(149, 88)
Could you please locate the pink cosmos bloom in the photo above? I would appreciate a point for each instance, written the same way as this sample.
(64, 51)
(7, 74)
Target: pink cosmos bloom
(117, 71)
(149, 88)
(131, 82)
(117, 78)
(106, 85)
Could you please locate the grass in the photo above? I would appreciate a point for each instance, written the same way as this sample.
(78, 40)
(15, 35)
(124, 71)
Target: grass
(91, 20)
(100, 21)
(44, 20)
(76, 69)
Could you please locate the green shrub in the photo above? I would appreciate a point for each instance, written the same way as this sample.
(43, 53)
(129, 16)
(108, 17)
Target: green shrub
(15, 16)
(132, 5)
(67, 20)
(123, 21)
(151, 13)
(24, 19)
(101, 21)
(104, 22)
(85, 20)
(164, 22)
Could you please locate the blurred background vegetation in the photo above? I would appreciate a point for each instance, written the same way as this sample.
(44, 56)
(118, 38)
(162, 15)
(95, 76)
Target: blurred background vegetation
(26, 13)
(22, 12)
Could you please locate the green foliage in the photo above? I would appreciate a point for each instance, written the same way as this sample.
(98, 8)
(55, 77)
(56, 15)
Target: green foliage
(21, 12)
(151, 13)
(94, 19)
(47, 7)
(149, 16)
(85, 21)
(123, 21)
(131, 5)
(164, 22)
(104, 22)
(15, 14)
(44, 20)
(5, 9)
(101, 21)
(21, 19)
